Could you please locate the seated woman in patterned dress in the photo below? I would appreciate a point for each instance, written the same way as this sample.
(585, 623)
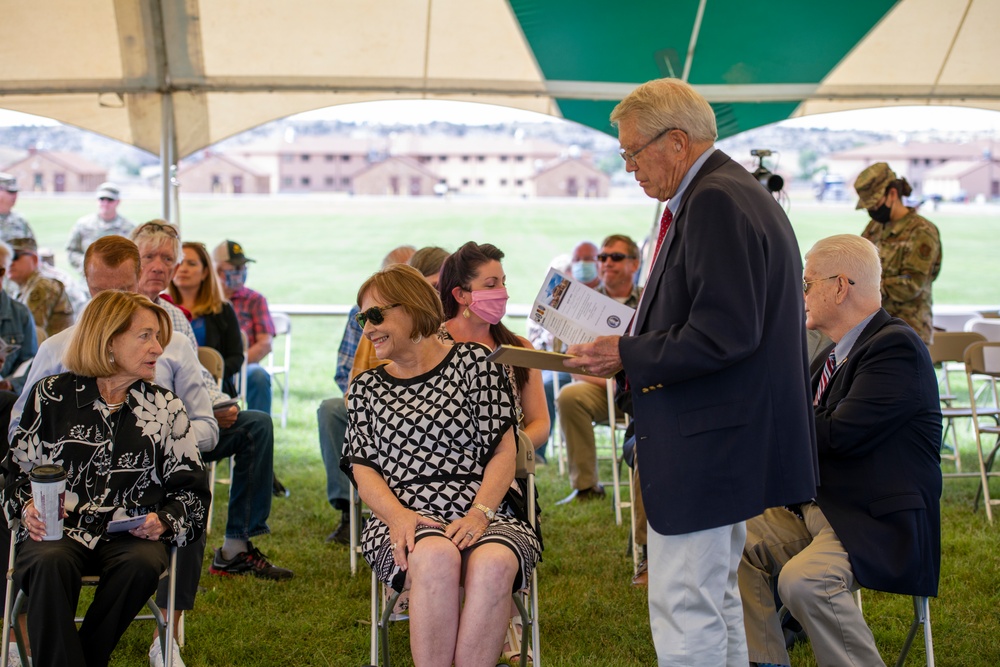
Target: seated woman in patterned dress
(128, 449)
(431, 449)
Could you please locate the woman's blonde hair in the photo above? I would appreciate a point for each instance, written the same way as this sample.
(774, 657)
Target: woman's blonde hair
(406, 286)
(109, 314)
(209, 299)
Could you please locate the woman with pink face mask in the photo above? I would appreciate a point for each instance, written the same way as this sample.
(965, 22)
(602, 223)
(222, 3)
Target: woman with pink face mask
(474, 295)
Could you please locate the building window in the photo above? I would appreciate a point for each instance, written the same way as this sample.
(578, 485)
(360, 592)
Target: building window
(304, 157)
(465, 158)
(345, 181)
(442, 158)
(481, 158)
(518, 158)
(329, 181)
(480, 181)
(304, 181)
(328, 158)
(465, 181)
(345, 158)
(519, 182)
(503, 182)
(287, 181)
(504, 158)
(287, 157)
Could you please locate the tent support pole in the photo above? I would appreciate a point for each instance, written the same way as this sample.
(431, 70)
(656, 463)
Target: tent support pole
(168, 142)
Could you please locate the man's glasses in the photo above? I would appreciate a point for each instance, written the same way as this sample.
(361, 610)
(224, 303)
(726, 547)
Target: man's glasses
(373, 315)
(614, 257)
(630, 157)
(806, 284)
(154, 227)
(105, 199)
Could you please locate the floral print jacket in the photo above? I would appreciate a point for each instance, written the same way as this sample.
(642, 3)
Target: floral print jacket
(142, 458)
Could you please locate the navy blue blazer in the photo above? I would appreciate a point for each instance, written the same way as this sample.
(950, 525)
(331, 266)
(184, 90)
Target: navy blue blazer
(878, 431)
(717, 363)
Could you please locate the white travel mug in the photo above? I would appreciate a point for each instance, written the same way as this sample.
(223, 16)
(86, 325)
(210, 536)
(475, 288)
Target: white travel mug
(48, 490)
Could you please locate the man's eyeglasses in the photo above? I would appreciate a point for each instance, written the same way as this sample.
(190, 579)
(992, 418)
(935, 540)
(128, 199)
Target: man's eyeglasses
(630, 157)
(613, 256)
(154, 227)
(373, 315)
(806, 284)
(105, 199)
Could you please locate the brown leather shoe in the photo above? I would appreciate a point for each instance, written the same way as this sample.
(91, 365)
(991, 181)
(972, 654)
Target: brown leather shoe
(583, 494)
(641, 577)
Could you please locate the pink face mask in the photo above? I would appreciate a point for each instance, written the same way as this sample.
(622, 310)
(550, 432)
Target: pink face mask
(489, 304)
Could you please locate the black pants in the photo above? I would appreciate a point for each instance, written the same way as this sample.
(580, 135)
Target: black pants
(49, 572)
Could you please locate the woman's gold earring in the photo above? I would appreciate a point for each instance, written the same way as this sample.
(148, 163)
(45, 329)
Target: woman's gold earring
(466, 314)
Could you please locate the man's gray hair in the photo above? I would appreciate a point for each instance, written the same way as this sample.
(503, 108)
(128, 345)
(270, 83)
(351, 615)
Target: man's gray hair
(668, 103)
(157, 233)
(849, 255)
(6, 253)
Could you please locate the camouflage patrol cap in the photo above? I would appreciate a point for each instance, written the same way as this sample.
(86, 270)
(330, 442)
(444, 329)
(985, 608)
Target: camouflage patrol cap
(871, 184)
(109, 190)
(8, 182)
(24, 244)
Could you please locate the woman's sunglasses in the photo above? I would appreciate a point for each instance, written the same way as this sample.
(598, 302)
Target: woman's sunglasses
(373, 315)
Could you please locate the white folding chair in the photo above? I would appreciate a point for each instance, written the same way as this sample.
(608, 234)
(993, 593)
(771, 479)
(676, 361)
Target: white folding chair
(281, 373)
(983, 359)
(13, 604)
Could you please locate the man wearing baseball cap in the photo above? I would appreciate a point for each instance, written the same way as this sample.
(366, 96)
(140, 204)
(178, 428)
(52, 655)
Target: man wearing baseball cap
(46, 298)
(12, 225)
(908, 244)
(255, 320)
(104, 222)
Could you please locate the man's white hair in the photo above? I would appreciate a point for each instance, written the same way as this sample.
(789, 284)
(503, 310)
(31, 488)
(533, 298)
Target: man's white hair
(849, 255)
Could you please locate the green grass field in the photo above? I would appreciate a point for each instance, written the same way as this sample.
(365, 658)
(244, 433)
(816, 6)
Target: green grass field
(317, 251)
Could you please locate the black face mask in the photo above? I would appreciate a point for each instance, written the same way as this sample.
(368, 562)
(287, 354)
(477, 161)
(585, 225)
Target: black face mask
(881, 214)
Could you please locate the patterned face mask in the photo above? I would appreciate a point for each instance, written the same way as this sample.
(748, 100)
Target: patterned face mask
(235, 278)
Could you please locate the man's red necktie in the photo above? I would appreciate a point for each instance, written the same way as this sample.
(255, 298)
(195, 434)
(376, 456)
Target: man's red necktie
(665, 221)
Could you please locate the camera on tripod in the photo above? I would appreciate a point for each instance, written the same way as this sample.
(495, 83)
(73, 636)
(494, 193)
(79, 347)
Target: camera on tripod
(771, 181)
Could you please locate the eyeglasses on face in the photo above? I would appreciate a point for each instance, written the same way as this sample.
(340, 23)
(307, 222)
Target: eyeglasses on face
(373, 315)
(613, 256)
(630, 157)
(154, 227)
(105, 199)
(806, 284)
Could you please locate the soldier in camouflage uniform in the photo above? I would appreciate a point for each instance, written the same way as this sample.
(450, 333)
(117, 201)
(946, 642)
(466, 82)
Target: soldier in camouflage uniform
(105, 222)
(12, 225)
(908, 244)
(45, 298)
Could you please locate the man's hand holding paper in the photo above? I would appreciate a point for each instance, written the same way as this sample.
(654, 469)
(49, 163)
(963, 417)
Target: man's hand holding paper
(600, 357)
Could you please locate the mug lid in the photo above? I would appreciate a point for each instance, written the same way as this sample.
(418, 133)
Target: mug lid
(50, 472)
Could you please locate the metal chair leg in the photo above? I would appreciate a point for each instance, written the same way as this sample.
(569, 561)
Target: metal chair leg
(921, 616)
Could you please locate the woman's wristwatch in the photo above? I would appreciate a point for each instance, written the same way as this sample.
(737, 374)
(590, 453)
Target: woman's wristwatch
(490, 514)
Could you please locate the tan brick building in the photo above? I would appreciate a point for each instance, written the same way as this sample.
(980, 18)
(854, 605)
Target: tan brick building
(56, 171)
(219, 173)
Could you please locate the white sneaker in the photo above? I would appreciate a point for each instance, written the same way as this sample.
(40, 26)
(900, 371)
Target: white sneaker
(156, 657)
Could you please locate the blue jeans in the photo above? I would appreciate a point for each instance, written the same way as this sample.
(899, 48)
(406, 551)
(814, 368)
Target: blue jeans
(258, 389)
(331, 417)
(550, 401)
(251, 441)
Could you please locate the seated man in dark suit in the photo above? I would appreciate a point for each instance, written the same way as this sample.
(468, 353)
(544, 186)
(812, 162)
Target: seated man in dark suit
(875, 521)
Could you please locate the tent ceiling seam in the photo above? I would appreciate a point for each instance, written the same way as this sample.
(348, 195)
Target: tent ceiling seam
(951, 45)
(427, 41)
(695, 33)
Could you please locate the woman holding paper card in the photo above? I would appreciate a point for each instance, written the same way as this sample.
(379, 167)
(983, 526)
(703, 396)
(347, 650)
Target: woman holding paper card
(431, 448)
(128, 450)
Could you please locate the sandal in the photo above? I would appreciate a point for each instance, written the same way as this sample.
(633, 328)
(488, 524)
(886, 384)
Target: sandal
(512, 646)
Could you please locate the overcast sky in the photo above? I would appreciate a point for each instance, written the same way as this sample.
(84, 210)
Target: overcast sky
(890, 119)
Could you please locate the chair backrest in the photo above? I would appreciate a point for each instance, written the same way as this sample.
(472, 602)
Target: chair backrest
(983, 358)
(212, 360)
(282, 323)
(525, 456)
(951, 345)
(988, 327)
(953, 321)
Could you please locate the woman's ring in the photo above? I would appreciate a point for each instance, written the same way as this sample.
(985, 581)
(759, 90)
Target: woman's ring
(470, 534)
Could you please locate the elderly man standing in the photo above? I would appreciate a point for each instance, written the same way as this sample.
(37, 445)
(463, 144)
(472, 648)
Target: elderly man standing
(12, 225)
(876, 518)
(105, 222)
(46, 298)
(716, 364)
(255, 320)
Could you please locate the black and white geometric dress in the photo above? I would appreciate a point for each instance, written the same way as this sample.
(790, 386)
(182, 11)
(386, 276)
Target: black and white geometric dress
(430, 437)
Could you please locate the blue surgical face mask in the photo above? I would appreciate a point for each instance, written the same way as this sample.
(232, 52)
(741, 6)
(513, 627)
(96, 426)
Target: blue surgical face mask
(584, 272)
(235, 278)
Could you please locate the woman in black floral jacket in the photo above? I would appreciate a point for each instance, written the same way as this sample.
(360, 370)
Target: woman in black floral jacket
(128, 450)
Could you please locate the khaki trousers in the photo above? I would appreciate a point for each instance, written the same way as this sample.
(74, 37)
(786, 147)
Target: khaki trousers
(815, 583)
